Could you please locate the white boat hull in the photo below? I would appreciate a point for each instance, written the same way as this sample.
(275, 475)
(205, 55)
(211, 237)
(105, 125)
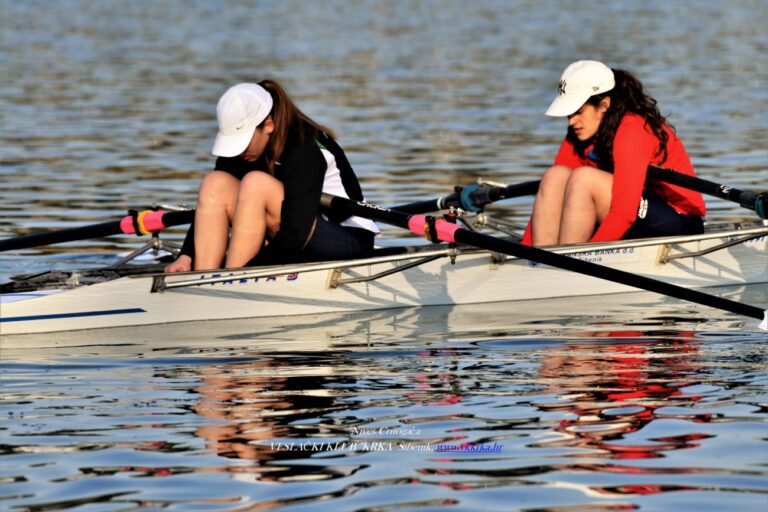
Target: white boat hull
(504, 323)
(476, 277)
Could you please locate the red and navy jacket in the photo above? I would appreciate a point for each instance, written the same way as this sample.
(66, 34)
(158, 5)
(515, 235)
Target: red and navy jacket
(634, 148)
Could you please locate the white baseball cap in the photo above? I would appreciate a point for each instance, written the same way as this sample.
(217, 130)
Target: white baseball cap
(239, 111)
(580, 80)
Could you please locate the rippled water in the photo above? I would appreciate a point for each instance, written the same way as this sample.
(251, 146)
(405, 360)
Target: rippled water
(614, 405)
(462, 408)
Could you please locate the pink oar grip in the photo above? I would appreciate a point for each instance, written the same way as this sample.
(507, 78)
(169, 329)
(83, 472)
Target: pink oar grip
(126, 225)
(154, 221)
(446, 231)
(148, 221)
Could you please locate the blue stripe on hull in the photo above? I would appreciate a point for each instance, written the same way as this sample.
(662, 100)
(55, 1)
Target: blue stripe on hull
(73, 315)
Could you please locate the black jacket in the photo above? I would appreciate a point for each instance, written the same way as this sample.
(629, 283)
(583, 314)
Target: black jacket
(301, 169)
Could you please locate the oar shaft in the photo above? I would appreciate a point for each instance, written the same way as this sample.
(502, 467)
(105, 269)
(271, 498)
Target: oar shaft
(745, 198)
(451, 233)
(64, 235)
(471, 198)
(606, 273)
(487, 195)
(474, 198)
(431, 205)
(160, 220)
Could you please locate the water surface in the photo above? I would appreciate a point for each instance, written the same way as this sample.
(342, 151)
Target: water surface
(436, 408)
(633, 403)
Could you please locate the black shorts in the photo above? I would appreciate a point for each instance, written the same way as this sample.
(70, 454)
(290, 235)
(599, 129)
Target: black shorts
(656, 218)
(331, 241)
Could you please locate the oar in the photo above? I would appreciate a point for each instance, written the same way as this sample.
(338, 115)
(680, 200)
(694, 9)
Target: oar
(449, 232)
(755, 201)
(471, 198)
(143, 222)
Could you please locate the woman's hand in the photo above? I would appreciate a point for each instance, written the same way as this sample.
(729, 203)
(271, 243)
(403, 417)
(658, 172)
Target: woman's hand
(182, 264)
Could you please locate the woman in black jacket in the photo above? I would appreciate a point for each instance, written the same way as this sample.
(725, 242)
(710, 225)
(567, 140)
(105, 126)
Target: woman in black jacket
(261, 204)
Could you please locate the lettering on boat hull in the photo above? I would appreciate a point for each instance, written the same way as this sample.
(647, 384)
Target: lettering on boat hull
(264, 279)
(604, 256)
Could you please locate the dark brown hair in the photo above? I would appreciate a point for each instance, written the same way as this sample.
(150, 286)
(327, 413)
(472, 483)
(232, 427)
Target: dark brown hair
(289, 120)
(627, 96)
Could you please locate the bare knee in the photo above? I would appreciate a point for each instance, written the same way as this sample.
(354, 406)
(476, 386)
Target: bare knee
(263, 191)
(588, 181)
(553, 181)
(219, 189)
(258, 186)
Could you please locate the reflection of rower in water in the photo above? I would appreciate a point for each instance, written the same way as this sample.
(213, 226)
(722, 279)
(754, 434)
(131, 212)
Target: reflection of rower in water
(615, 390)
(256, 409)
(258, 404)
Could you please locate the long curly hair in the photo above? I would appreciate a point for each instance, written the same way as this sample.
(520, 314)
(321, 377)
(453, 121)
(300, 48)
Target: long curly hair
(289, 120)
(627, 96)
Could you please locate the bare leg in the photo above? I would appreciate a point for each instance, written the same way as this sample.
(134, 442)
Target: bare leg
(587, 201)
(548, 206)
(257, 212)
(215, 207)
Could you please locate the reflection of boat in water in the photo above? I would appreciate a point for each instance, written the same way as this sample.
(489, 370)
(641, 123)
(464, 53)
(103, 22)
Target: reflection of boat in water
(585, 401)
(542, 319)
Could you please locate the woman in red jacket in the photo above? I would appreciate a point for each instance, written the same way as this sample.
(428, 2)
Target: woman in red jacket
(596, 190)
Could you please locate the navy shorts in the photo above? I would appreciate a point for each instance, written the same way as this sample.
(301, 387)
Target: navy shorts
(331, 241)
(656, 218)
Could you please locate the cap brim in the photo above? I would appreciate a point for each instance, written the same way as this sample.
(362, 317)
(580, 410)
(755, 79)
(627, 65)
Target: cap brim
(232, 145)
(565, 105)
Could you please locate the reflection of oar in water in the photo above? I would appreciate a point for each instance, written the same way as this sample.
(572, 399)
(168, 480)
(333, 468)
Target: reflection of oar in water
(439, 230)
(474, 197)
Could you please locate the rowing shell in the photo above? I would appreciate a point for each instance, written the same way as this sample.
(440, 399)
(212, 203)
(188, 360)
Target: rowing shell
(417, 276)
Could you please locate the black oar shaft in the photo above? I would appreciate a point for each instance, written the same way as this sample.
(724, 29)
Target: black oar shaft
(64, 235)
(745, 198)
(474, 198)
(471, 198)
(606, 273)
(486, 195)
(101, 230)
(491, 243)
(431, 205)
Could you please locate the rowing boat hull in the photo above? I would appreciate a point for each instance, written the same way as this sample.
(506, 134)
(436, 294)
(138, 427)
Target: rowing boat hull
(475, 277)
(503, 323)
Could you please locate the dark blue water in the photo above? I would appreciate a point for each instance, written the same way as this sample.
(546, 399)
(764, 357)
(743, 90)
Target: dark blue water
(621, 404)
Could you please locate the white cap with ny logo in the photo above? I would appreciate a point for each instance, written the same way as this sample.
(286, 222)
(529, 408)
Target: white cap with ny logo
(579, 81)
